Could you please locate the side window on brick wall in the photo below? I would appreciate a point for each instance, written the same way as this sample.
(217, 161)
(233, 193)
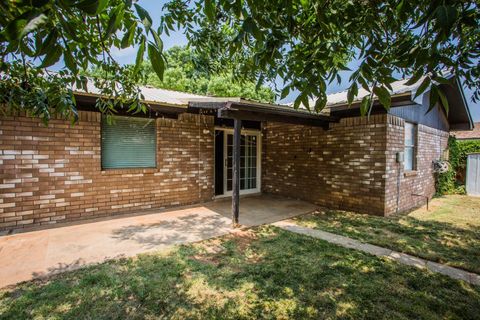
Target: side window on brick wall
(410, 151)
(128, 143)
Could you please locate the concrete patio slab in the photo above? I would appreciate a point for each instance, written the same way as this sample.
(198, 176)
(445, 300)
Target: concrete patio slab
(262, 209)
(42, 253)
(36, 254)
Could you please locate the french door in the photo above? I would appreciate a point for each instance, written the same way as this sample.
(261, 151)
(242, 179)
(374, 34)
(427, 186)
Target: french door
(250, 162)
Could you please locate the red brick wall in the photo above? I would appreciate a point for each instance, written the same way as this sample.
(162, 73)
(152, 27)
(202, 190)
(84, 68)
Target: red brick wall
(50, 175)
(431, 145)
(54, 174)
(352, 165)
(342, 167)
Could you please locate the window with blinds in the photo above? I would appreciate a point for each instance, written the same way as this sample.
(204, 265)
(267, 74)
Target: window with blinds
(128, 143)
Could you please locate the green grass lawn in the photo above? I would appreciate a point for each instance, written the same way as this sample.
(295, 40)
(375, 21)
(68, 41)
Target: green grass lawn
(261, 273)
(448, 233)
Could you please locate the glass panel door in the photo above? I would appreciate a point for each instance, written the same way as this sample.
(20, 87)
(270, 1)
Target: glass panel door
(248, 161)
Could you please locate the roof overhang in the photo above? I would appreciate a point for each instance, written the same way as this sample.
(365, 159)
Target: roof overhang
(459, 116)
(86, 102)
(253, 111)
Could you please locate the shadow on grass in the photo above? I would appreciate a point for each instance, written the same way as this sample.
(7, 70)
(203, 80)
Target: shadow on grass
(436, 241)
(60, 268)
(268, 273)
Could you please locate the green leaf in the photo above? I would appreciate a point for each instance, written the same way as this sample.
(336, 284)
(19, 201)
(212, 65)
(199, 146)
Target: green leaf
(33, 24)
(305, 4)
(48, 43)
(111, 25)
(70, 61)
(144, 16)
(446, 16)
(305, 102)
(444, 100)
(443, 80)
(51, 57)
(13, 30)
(88, 6)
(433, 98)
(127, 39)
(365, 105)
(157, 61)
(297, 102)
(81, 83)
(259, 82)
(70, 29)
(400, 6)
(285, 92)
(102, 4)
(209, 10)
(423, 86)
(251, 27)
(114, 21)
(158, 40)
(352, 93)
(384, 96)
(140, 53)
(320, 104)
(364, 83)
(26, 49)
(414, 79)
(343, 67)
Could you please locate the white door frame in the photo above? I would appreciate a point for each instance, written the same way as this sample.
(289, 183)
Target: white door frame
(256, 133)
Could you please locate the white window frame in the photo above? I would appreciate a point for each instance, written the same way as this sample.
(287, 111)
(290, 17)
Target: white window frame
(413, 146)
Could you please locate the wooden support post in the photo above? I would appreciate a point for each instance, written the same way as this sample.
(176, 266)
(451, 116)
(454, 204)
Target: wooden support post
(237, 127)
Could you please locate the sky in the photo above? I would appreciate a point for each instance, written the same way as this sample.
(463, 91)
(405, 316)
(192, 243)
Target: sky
(154, 7)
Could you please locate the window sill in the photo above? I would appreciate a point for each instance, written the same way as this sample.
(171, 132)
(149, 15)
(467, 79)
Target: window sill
(129, 170)
(410, 173)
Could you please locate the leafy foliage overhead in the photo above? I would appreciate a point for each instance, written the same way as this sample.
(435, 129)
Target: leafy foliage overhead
(37, 34)
(308, 43)
(305, 42)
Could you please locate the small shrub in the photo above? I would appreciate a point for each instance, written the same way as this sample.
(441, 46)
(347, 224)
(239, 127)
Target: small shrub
(446, 182)
(453, 181)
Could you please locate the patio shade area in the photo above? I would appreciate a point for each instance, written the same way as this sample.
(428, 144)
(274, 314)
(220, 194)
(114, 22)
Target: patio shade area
(262, 209)
(37, 254)
(239, 111)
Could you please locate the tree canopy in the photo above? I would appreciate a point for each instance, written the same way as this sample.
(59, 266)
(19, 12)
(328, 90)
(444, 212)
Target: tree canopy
(307, 43)
(183, 73)
(36, 34)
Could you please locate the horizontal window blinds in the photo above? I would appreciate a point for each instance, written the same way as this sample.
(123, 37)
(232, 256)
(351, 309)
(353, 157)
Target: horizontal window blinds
(128, 143)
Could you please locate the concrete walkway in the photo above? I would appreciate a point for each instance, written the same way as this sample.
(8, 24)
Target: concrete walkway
(36, 254)
(402, 258)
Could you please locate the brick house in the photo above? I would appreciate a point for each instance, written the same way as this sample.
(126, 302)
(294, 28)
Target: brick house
(184, 150)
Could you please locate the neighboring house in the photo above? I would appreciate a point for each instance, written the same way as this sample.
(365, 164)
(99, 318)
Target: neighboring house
(467, 134)
(181, 153)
